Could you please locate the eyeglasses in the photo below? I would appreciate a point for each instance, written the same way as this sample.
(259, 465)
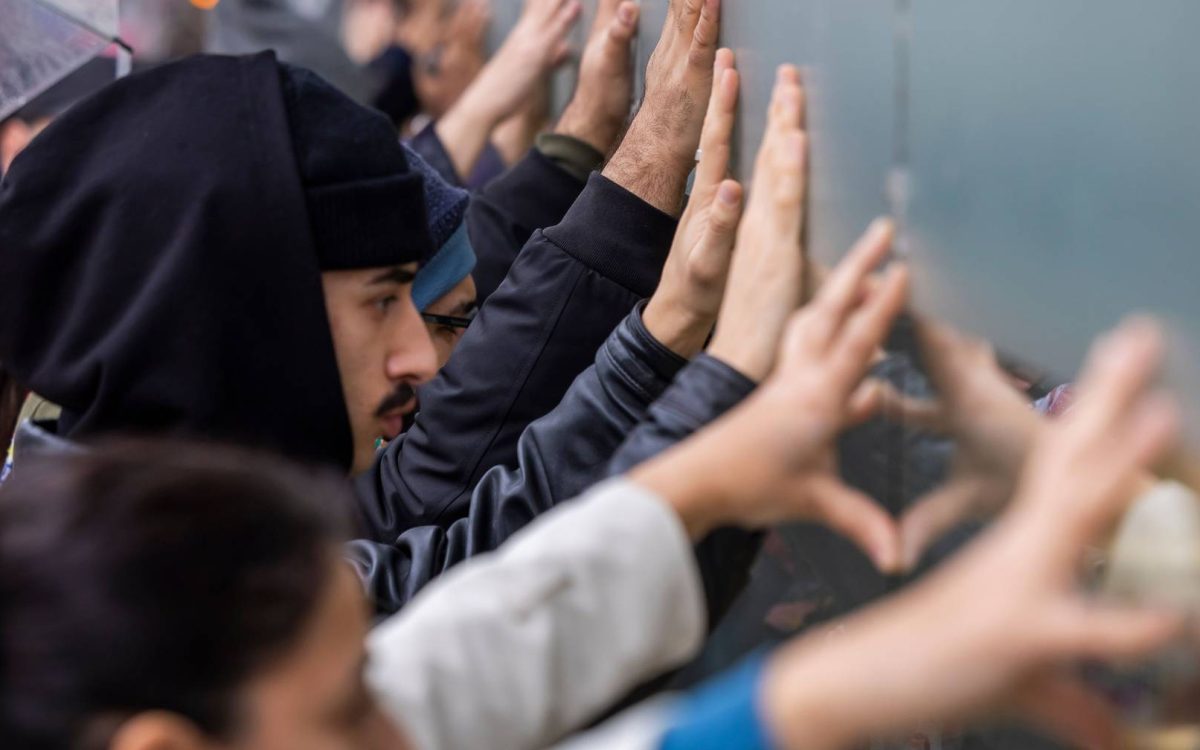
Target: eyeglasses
(452, 321)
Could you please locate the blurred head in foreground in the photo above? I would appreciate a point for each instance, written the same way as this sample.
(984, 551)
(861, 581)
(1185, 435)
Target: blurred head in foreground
(167, 596)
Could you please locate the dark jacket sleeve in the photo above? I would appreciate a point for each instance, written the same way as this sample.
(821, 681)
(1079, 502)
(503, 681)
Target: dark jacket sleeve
(567, 291)
(703, 391)
(558, 455)
(534, 194)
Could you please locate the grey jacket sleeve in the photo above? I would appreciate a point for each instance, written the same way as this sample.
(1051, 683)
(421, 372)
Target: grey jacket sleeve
(513, 650)
(558, 456)
(702, 392)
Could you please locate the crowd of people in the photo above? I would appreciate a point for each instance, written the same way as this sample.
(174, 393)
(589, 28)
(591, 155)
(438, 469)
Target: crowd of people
(356, 398)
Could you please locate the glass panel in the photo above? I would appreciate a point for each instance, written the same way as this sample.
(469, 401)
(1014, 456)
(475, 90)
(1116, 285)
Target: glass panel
(1055, 174)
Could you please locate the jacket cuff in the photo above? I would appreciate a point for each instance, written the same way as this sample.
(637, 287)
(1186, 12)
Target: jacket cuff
(665, 363)
(704, 391)
(574, 156)
(616, 234)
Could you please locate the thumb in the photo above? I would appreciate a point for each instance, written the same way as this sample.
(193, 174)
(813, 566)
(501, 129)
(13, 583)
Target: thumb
(622, 26)
(932, 516)
(860, 519)
(724, 216)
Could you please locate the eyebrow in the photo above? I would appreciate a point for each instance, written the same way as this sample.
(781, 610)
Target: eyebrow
(464, 309)
(397, 275)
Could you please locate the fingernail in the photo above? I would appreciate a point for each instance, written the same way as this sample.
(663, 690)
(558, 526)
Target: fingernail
(625, 12)
(728, 193)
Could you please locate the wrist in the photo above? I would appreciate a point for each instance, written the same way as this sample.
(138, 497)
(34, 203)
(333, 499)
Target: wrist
(743, 354)
(675, 327)
(645, 168)
(592, 128)
(681, 478)
(480, 106)
(795, 704)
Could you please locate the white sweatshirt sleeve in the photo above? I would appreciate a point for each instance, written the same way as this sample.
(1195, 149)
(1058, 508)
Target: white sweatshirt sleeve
(515, 649)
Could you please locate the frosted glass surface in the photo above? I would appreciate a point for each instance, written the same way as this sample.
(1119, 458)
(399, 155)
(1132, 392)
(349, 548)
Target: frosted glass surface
(38, 47)
(504, 16)
(1055, 173)
(847, 56)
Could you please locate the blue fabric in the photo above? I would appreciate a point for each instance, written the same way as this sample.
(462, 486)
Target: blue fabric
(452, 263)
(445, 204)
(722, 714)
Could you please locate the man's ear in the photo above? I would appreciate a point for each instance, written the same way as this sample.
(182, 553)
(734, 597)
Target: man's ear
(15, 135)
(158, 730)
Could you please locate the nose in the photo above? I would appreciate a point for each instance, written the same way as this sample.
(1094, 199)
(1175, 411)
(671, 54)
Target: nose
(411, 355)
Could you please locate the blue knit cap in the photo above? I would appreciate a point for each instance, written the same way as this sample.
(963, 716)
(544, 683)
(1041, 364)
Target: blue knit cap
(453, 258)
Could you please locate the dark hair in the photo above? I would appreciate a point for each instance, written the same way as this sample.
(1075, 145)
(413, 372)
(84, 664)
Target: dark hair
(12, 395)
(142, 576)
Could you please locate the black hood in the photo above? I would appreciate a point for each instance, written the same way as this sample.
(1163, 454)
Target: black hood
(157, 266)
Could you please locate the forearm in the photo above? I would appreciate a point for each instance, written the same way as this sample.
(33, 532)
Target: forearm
(644, 168)
(466, 128)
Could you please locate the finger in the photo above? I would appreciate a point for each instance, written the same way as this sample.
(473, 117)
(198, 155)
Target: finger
(685, 14)
(704, 40)
(1119, 367)
(788, 192)
(623, 26)
(921, 413)
(945, 352)
(786, 77)
(606, 10)
(1082, 629)
(1133, 447)
(860, 519)
(786, 102)
(864, 332)
(711, 256)
(837, 296)
(562, 53)
(1068, 709)
(866, 401)
(543, 10)
(718, 123)
(564, 20)
(725, 215)
(933, 516)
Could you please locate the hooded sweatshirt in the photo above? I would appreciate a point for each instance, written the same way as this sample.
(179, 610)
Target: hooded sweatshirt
(161, 250)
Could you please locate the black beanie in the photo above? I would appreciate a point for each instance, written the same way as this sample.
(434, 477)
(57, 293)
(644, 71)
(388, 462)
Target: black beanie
(366, 207)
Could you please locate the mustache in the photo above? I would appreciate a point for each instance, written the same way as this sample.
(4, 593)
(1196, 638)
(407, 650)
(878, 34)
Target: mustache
(399, 398)
(411, 418)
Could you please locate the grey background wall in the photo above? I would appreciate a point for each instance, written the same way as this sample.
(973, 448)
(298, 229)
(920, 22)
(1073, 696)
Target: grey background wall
(1040, 156)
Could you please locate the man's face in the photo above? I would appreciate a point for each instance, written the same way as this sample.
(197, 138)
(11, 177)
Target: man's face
(459, 302)
(383, 351)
